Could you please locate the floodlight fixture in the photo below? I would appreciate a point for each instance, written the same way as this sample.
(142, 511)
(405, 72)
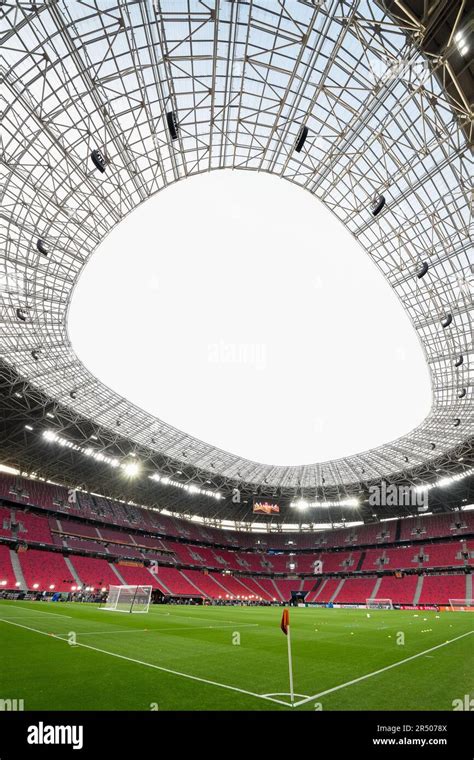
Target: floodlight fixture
(173, 126)
(131, 469)
(377, 204)
(422, 270)
(300, 140)
(98, 159)
(42, 247)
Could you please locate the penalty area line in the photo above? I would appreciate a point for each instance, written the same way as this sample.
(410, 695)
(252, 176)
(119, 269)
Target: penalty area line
(381, 670)
(151, 665)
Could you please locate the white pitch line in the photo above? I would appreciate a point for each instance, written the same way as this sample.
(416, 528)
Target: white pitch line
(381, 670)
(159, 630)
(33, 612)
(151, 665)
(98, 633)
(196, 617)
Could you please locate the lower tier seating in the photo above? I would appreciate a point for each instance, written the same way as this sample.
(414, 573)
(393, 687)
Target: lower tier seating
(47, 571)
(7, 575)
(94, 572)
(439, 589)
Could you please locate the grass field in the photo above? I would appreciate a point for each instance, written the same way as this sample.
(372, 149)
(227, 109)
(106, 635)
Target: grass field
(185, 658)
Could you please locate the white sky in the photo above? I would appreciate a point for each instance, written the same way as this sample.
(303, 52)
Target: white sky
(237, 308)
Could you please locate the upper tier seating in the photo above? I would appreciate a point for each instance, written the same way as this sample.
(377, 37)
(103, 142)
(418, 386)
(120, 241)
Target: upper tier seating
(441, 555)
(27, 527)
(47, 496)
(33, 527)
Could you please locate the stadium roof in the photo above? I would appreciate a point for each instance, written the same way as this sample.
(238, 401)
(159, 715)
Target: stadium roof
(105, 106)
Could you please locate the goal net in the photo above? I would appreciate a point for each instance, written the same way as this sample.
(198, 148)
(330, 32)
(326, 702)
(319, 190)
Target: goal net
(462, 605)
(128, 599)
(379, 604)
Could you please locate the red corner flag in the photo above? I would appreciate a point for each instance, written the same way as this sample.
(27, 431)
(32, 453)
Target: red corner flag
(285, 621)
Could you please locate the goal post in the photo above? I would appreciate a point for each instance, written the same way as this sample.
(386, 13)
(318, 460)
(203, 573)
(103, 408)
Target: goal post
(379, 604)
(128, 599)
(462, 605)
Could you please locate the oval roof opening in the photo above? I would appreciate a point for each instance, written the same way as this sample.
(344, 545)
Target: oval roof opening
(237, 308)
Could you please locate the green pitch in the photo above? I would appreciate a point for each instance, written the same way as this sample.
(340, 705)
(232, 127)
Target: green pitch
(232, 658)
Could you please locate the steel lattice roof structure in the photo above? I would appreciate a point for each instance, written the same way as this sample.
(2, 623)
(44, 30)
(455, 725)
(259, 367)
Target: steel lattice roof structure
(240, 81)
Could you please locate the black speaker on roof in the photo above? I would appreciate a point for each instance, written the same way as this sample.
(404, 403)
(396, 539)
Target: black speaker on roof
(446, 321)
(35, 355)
(457, 422)
(422, 270)
(21, 315)
(300, 140)
(459, 360)
(377, 204)
(462, 393)
(98, 159)
(73, 394)
(172, 122)
(42, 247)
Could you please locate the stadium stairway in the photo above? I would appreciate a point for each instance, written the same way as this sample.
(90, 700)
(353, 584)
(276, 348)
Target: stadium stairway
(72, 570)
(278, 592)
(375, 590)
(189, 580)
(320, 590)
(398, 530)
(419, 589)
(255, 588)
(216, 580)
(252, 591)
(316, 590)
(316, 586)
(338, 589)
(20, 578)
(160, 583)
(114, 569)
(468, 587)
